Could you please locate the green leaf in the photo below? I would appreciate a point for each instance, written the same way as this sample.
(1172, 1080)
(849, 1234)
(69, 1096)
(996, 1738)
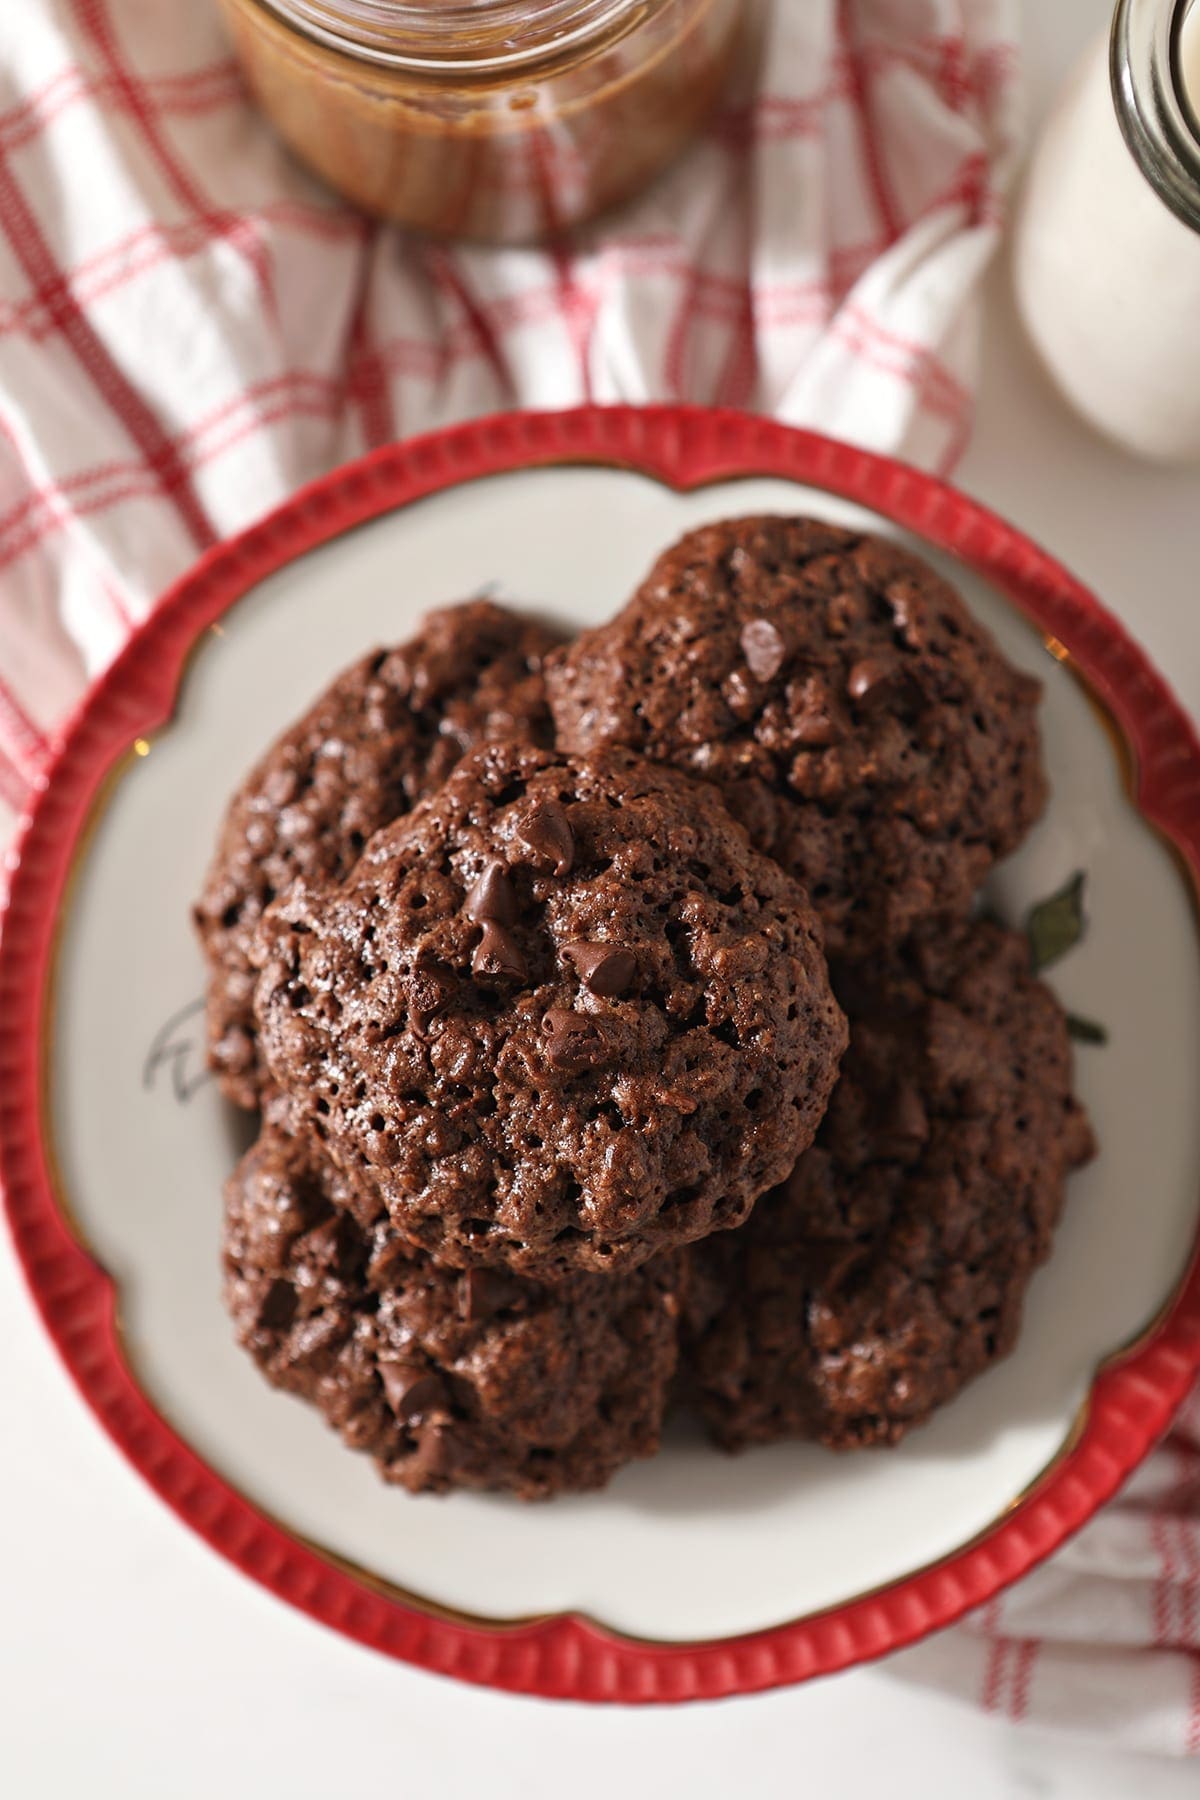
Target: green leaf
(1055, 925)
(1086, 1031)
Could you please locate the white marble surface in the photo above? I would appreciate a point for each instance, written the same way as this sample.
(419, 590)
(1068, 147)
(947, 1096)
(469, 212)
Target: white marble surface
(135, 1665)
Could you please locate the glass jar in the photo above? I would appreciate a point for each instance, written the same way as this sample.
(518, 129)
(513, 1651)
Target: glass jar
(500, 120)
(1107, 244)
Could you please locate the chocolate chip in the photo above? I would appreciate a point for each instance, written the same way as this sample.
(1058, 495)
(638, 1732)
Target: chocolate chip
(331, 1246)
(814, 722)
(411, 1390)
(437, 1454)
(497, 954)
(546, 830)
(484, 1292)
(816, 730)
(905, 1126)
(277, 1308)
(492, 900)
(604, 969)
(871, 679)
(390, 1262)
(763, 648)
(574, 1043)
(909, 614)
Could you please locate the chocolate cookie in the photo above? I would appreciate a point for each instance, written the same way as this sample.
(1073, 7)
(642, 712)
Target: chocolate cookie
(560, 1017)
(449, 1380)
(892, 1266)
(387, 732)
(861, 723)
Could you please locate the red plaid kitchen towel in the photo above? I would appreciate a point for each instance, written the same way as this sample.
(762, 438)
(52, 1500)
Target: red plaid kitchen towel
(1104, 1639)
(190, 328)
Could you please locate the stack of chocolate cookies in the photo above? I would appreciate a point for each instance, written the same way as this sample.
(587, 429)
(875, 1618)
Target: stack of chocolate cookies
(621, 1030)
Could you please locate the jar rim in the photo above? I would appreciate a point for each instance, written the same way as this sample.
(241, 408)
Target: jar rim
(1158, 118)
(462, 37)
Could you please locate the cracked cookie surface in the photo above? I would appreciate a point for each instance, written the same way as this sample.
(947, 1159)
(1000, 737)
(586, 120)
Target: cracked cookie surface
(892, 1266)
(386, 732)
(561, 1017)
(448, 1379)
(862, 724)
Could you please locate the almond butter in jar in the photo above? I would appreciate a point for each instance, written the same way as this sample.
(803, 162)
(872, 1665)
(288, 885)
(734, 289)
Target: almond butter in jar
(499, 120)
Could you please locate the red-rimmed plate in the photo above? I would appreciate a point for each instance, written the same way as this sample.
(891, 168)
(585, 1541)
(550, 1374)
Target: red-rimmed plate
(693, 1575)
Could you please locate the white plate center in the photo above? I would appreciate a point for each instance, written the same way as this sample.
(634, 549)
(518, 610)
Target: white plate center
(692, 1544)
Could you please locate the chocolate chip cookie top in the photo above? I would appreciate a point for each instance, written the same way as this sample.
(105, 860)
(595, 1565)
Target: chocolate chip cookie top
(448, 1379)
(561, 1017)
(892, 1266)
(863, 725)
(387, 732)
